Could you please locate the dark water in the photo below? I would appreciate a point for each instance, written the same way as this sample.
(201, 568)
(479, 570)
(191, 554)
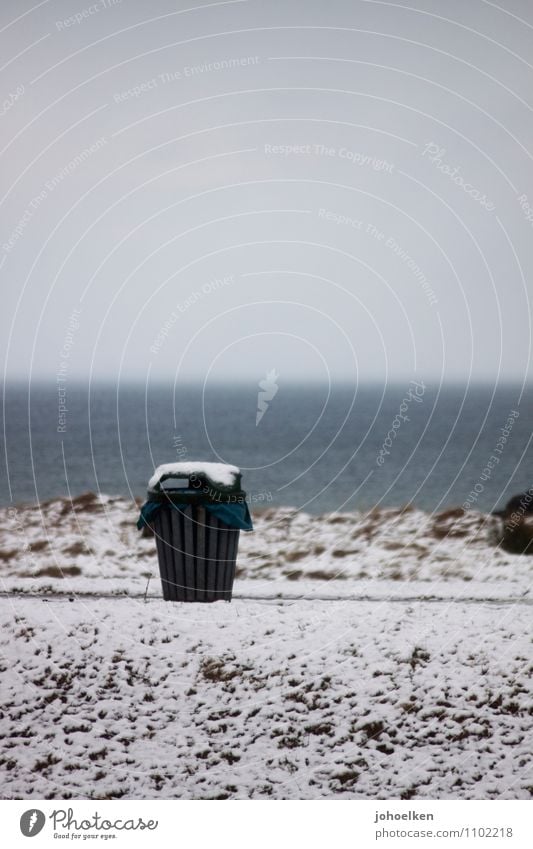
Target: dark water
(311, 449)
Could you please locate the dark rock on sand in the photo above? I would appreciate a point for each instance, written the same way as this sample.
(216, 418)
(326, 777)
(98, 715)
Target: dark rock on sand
(518, 537)
(521, 504)
(516, 533)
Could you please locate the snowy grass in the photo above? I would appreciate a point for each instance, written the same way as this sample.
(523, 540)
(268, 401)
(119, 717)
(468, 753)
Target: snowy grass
(94, 539)
(394, 665)
(120, 699)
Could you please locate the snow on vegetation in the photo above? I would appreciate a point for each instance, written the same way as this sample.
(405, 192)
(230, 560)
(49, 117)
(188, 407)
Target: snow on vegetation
(248, 700)
(365, 655)
(91, 544)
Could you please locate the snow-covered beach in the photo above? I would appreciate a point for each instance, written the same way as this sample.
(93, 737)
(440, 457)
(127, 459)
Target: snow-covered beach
(365, 655)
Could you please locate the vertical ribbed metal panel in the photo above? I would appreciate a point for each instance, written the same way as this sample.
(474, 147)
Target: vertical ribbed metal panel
(176, 552)
(196, 553)
(233, 546)
(200, 517)
(161, 544)
(168, 536)
(188, 554)
(211, 562)
(222, 546)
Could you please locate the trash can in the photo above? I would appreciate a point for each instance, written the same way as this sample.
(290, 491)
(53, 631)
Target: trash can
(196, 526)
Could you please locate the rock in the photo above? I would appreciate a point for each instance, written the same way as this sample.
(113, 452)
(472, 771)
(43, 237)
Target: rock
(517, 535)
(516, 532)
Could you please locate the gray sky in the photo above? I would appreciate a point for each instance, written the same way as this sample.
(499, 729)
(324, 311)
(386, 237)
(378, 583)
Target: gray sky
(209, 191)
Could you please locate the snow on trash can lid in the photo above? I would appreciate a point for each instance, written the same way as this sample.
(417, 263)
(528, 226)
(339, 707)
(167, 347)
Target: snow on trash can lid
(220, 476)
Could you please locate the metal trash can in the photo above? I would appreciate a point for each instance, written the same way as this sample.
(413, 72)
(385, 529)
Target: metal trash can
(197, 529)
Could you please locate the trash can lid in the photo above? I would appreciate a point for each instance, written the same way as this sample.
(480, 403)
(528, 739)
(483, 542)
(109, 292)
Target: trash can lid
(220, 476)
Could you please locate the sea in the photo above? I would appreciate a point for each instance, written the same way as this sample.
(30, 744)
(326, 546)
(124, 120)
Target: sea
(318, 448)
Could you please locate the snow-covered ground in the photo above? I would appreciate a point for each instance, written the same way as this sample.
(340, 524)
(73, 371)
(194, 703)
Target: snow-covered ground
(383, 655)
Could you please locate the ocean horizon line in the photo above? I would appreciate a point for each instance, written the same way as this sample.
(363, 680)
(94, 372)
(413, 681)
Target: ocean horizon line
(293, 382)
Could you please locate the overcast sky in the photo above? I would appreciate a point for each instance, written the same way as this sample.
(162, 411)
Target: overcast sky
(335, 190)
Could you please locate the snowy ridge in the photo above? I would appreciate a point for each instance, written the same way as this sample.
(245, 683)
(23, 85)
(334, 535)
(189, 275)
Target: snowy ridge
(94, 538)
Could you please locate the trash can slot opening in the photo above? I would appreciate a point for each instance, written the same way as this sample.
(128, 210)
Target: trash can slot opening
(216, 476)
